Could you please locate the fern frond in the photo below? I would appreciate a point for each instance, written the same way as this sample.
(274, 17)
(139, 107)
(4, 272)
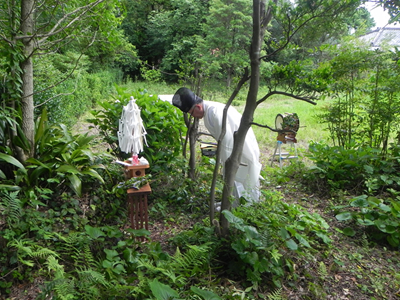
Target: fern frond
(31, 249)
(175, 279)
(11, 206)
(42, 252)
(93, 278)
(192, 260)
(53, 265)
(65, 289)
(61, 288)
(275, 295)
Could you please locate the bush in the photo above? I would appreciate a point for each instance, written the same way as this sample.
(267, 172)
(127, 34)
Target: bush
(356, 170)
(381, 215)
(164, 126)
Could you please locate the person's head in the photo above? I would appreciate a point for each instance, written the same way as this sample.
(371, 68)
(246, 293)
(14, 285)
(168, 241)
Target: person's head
(188, 102)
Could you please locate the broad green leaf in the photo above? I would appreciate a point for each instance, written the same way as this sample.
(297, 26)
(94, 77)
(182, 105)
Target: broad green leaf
(111, 254)
(360, 201)
(344, 216)
(349, 231)
(283, 233)
(302, 240)
(235, 221)
(93, 232)
(41, 126)
(162, 291)
(129, 255)
(251, 232)
(394, 241)
(385, 207)
(365, 222)
(119, 269)
(291, 244)
(324, 237)
(206, 295)
(396, 205)
(107, 264)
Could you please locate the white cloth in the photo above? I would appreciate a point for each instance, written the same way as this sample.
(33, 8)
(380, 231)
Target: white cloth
(247, 177)
(131, 131)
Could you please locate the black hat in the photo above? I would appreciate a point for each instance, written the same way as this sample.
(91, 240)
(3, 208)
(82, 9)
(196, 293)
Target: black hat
(184, 99)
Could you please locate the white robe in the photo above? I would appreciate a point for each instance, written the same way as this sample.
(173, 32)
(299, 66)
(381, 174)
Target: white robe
(248, 175)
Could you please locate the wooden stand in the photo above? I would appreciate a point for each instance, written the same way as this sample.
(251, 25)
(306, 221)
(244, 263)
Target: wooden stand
(137, 198)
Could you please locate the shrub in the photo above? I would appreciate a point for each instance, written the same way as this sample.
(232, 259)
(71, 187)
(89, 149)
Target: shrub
(164, 126)
(381, 215)
(357, 170)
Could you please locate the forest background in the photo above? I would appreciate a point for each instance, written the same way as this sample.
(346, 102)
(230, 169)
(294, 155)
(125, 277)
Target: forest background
(328, 227)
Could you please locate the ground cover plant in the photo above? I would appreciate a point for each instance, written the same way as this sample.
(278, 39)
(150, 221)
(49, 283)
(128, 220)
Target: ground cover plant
(299, 243)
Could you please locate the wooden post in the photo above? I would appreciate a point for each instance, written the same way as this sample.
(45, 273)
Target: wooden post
(137, 198)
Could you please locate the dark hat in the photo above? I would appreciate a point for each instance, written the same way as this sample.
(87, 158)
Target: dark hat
(184, 99)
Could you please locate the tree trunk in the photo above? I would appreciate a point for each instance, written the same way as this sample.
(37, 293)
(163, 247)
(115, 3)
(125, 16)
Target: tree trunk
(260, 20)
(193, 133)
(28, 124)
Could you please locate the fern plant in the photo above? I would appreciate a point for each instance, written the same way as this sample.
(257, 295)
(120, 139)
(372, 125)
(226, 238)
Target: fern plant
(27, 249)
(275, 295)
(10, 208)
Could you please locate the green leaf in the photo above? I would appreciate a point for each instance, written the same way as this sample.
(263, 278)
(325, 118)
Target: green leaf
(94, 174)
(349, 231)
(385, 207)
(93, 232)
(107, 264)
(365, 222)
(9, 187)
(119, 269)
(360, 201)
(41, 126)
(68, 169)
(344, 216)
(162, 291)
(291, 244)
(129, 255)
(76, 184)
(11, 160)
(324, 237)
(302, 240)
(111, 254)
(235, 221)
(283, 233)
(206, 295)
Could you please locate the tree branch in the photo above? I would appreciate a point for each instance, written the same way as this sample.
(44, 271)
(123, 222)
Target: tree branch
(306, 99)
(57, 28)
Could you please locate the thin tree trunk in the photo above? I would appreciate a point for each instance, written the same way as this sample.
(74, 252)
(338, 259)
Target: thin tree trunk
(28, 125)
(261, 18)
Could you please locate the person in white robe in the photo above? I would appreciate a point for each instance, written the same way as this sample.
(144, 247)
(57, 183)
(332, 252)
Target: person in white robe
(247, 179)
